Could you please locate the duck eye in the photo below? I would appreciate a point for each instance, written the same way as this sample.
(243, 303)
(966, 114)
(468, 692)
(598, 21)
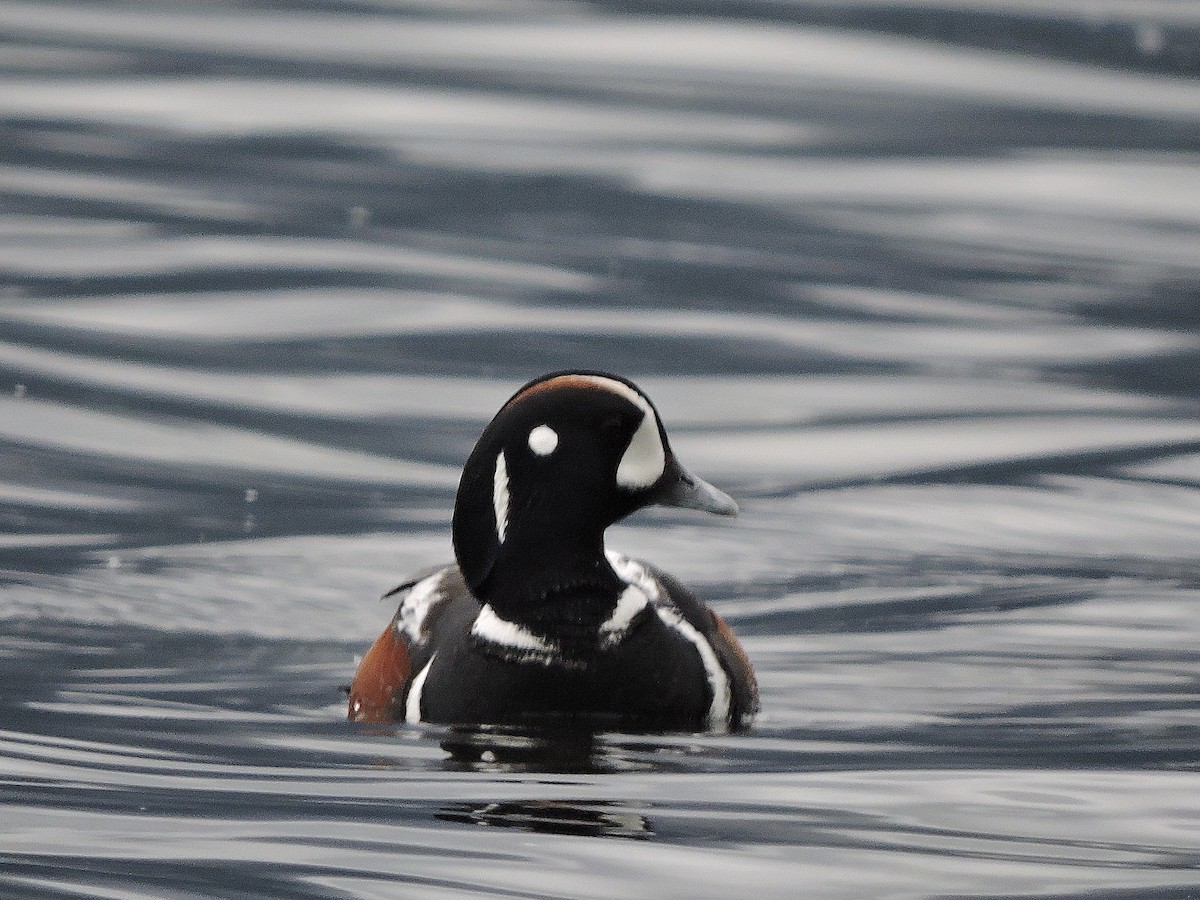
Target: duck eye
(611, 424)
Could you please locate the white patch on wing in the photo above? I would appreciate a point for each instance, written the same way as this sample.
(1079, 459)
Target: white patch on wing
(412, 703)
(492, 629)
(543, 440)
(500, 496)
(637, 575)
(631, 602)
(420, 598)
(645, 458)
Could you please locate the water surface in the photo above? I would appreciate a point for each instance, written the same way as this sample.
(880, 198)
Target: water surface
(917, 283)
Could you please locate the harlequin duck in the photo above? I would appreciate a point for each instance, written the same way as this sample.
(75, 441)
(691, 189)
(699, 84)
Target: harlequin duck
(537, 624)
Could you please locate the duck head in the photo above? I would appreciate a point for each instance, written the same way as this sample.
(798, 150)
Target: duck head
(568, 455)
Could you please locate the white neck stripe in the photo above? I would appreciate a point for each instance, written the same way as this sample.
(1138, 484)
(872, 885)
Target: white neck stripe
(500, 496)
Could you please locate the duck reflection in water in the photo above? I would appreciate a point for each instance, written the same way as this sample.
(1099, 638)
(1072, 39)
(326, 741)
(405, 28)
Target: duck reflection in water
(557, 750)
(582, 818)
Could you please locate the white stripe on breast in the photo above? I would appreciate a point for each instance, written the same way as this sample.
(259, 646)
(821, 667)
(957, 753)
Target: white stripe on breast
(635, 574)
(491, 628)
(631, 602)
(412, 704)
(718, 681)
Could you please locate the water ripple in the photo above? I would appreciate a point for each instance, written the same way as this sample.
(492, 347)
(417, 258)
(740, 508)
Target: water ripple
(916, 283)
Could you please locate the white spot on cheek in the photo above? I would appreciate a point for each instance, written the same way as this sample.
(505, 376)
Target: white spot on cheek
(543, 440)
(500, 496)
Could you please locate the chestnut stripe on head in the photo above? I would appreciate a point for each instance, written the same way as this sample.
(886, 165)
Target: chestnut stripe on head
(560, 381)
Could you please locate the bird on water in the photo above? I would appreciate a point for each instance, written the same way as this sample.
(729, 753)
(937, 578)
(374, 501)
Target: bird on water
(537, 623)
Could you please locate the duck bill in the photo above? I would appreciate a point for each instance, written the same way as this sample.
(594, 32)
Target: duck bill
(681, 488)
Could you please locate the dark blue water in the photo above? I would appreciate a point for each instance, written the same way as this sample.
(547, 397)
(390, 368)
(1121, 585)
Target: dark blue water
(918, 283)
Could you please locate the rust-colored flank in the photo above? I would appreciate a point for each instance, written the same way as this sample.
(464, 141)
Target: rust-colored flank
(725, 637)
(380, 679)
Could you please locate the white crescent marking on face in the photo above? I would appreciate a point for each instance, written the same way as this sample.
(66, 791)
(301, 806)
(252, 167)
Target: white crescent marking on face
(500, 496)
(645, 458)
(543, 440)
